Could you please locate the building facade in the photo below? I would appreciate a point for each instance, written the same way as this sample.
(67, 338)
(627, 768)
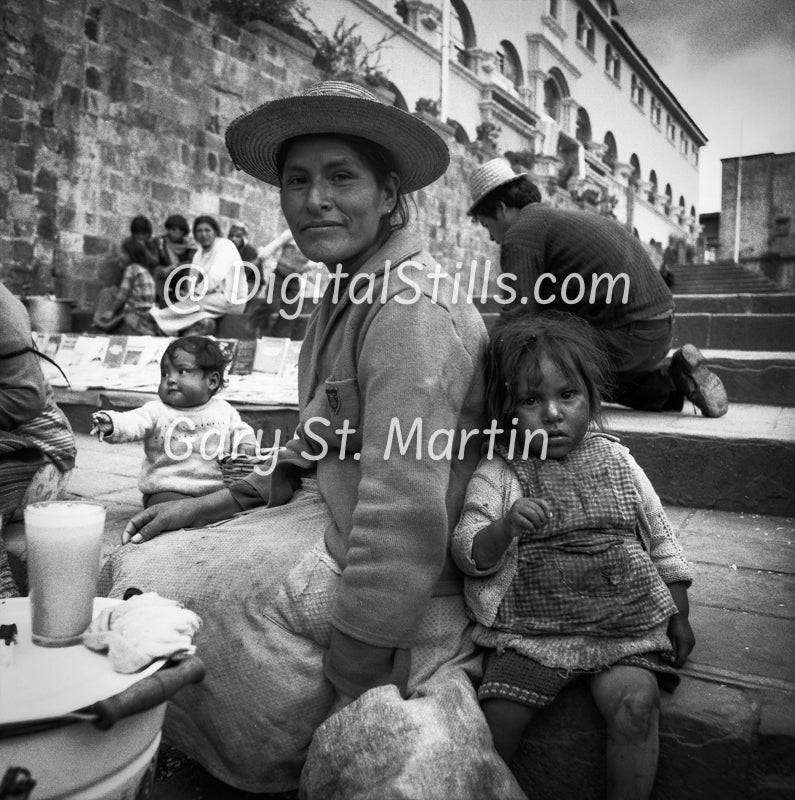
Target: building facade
(764, 184)
(558, 86)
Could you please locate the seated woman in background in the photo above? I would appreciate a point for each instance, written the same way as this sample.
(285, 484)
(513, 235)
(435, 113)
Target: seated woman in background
(220, 287)
(129, 303)
(175, 248)
(37, 448)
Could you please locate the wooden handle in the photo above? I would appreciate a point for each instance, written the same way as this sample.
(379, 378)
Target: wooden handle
(147, 693)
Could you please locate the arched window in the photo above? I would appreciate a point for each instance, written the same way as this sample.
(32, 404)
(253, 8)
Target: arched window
(462, 32)
(555, 89)
(692, 212)
(669, 198)
(682, 208)
(612, 63)
(585, 33)
(653, 188)
(634, 162)
(508, 63)
(583, 130)
(611, 154)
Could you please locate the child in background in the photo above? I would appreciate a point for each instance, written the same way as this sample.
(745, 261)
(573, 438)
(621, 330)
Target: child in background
(132, 300)
(187, 430)
(572, 568)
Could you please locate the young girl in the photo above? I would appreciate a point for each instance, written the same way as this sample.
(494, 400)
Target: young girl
(187, 429)
(572, 567)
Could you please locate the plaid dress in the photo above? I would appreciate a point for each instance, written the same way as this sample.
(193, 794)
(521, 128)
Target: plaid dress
(586, 571)
(137, 289)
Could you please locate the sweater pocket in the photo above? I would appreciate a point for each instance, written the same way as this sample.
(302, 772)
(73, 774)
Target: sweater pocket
(342, 402)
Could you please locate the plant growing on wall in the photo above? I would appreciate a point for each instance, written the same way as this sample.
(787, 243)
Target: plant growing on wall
(281, 14)
(427, 106)
(523, 159)
(344, 54)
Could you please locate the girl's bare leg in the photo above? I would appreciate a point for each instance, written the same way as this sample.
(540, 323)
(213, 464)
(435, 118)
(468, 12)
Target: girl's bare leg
(507, 722)
(629, 700)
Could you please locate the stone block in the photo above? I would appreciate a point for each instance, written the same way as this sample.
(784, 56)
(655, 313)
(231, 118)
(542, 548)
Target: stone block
(706, 737)
(11, 130)
(24, 157)
(24, 183)
(12, 107)
(95, 245)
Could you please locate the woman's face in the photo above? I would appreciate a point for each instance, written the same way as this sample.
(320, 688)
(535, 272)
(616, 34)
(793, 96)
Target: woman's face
(204, 234)
(332, 201)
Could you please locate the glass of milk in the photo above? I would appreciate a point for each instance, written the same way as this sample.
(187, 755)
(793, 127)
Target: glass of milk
(64, 541)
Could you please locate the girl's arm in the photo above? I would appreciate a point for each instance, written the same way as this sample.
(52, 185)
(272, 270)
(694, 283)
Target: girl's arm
(679, 631)
(526, 514)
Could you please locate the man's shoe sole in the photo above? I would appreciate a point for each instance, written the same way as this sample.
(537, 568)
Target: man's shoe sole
(703, 388)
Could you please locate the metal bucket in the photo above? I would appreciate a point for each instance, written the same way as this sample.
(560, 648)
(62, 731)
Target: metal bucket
(49, 314)
(72, 728)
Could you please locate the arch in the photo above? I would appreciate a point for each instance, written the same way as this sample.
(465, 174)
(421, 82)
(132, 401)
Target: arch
(669, 198)
(460, 134)
(692, 212)
(583, 129)
(462, 31)
(611, 153)
(652, 197)
(399, 101)
(509, 63)
(634, 162)
(555, 89)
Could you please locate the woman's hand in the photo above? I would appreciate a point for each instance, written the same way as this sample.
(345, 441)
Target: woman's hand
(189, 513)
(527, 513)
(101, 425)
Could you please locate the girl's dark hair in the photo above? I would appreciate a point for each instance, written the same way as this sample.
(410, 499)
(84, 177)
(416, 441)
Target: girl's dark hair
(179, 222)
(378, 158)
(206, 352)
(518, 345)
(207, 220)
(140, 225)
(515, 194)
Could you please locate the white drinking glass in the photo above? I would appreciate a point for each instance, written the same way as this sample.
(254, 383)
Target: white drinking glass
(64, 540)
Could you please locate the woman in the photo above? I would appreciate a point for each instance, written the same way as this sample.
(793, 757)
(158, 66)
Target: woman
(346, 645)
(215, 285)
(37, 448)
(174, 249)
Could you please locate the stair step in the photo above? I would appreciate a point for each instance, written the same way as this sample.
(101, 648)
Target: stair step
(736, 331)
(743, 461)
(728, 731)
(766, 378)
(736, 303)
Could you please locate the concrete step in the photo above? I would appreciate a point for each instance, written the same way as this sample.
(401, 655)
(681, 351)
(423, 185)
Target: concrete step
(728, 731)
(736, 331)
(724, 331)
(737, 303)
(766, 378)
(719, 278)
(743, 461)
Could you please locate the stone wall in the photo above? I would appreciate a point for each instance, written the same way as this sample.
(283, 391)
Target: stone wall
(767, 206)
(111, 109)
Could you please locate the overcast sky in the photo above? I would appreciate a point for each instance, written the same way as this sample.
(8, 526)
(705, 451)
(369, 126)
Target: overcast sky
(726, 61)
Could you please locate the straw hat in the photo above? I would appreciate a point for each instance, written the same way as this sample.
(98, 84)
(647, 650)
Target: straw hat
(488, 177)
(337, 107)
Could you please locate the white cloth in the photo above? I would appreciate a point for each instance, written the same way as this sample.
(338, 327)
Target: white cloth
(143, 628)
(181, 445)
(223, 290)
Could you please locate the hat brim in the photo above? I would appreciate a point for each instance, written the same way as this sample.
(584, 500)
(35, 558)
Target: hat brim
(253, 139)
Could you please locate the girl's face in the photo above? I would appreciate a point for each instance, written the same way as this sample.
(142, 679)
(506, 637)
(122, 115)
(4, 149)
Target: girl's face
(183, 384)
(205, 235)
(555, 404)
(175, 234)
(333, 202)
